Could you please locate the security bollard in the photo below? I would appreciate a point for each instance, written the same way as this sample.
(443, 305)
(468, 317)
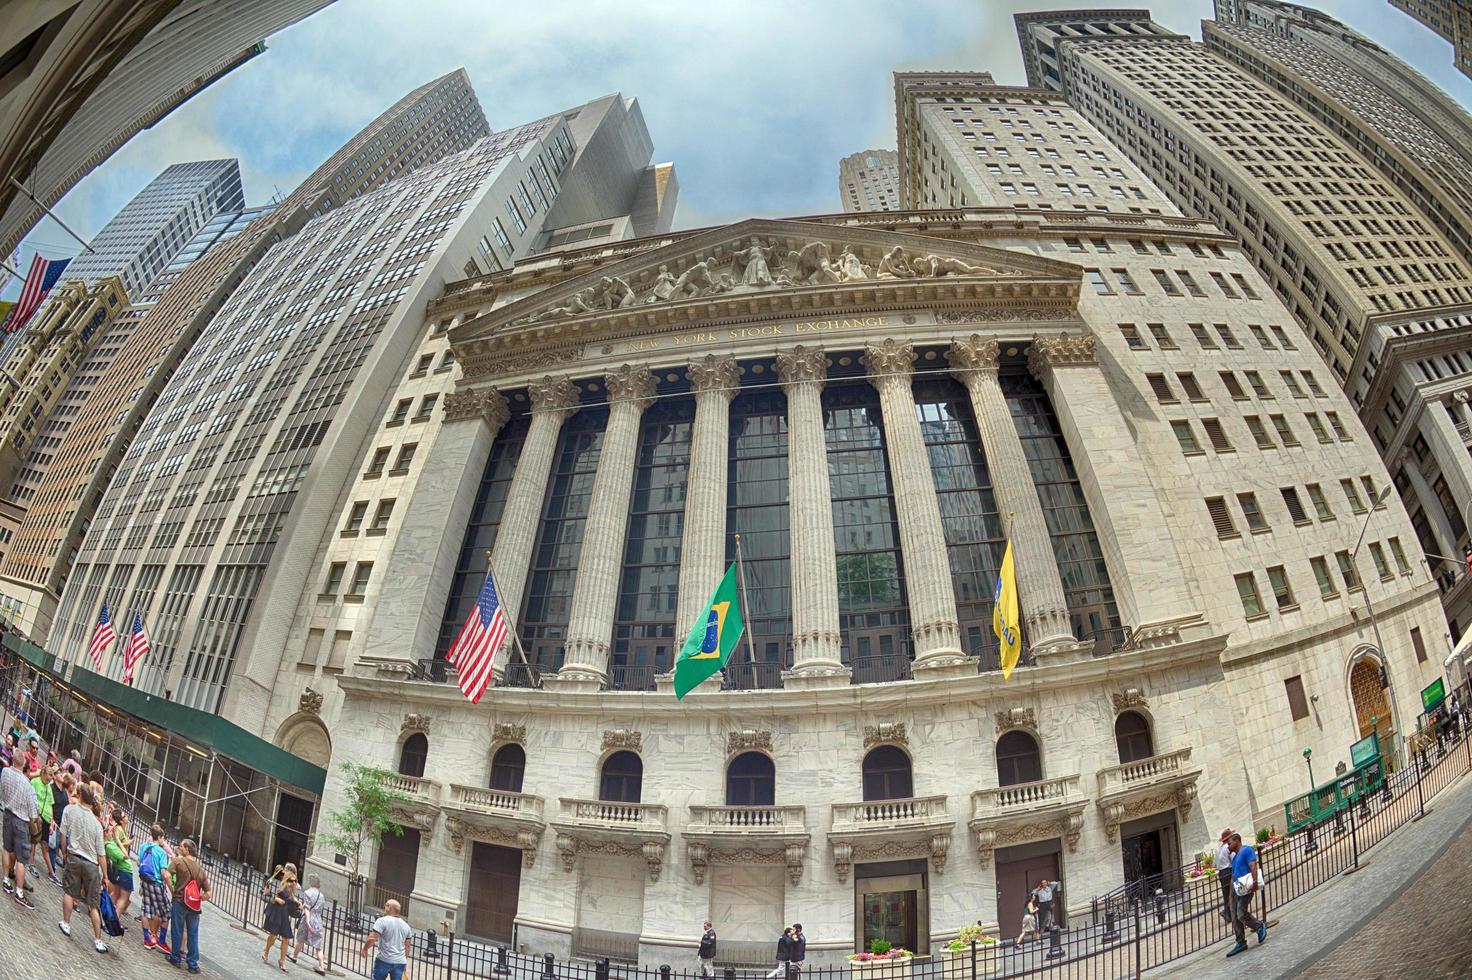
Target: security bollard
(600, 969)
(1111, 934)
(431, 945)
(664, 971)
(501, 969)
(729, 973)
(1160, 906)
(549, 967)
(1055, 943)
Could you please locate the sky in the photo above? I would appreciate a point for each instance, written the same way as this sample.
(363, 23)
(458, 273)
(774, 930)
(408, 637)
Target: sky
(755, 101)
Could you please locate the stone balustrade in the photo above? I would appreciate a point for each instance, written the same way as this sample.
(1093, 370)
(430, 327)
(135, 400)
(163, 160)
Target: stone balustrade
(416, 788)
(604, 815)
(1005, 815)
(917, 827)
(1024, 797)
(746, 820)
(747, 835)
(1145, 772)
(494, 802)
(877, 816)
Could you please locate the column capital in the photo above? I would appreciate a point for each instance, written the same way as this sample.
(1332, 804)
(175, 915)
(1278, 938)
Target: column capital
(890, 360)
(715, 374)
(802, 364)
(974, 355)
(554, 396)
(1064, 350)
(630, 384)
(487, 404)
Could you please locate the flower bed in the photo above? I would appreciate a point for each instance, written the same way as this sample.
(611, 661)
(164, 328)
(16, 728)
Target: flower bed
(893, 963)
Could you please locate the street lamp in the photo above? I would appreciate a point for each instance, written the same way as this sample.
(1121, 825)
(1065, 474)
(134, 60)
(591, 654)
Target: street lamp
(1310, 845)
(1308, 756)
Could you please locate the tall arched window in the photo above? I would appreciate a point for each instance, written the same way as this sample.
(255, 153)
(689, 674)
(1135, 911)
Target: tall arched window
(622, 779)
(887, 774)
(1132, 735)
(413, 754)
(507, 765)
(1018, 759)
(751, 780)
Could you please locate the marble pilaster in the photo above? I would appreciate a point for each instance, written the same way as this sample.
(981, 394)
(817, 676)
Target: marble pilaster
(703, 541)
(422, 564)
(1039, 583)
(554, 400)
(1149, 578)
(595, 591)
(933, 618)
(817, 655)
(1436, 516)
(1450, 452)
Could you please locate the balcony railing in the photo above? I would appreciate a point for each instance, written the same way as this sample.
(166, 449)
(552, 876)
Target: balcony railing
(880, 670)
(881, 815)
(418, 790)
(602, 815)
(1145, 772)
(518, 674)
(758, 676)
(740, 820)
(633, 677)
(1024, 797)
(495, 802)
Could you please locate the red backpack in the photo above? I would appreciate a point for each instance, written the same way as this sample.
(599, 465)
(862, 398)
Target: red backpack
(193, 900)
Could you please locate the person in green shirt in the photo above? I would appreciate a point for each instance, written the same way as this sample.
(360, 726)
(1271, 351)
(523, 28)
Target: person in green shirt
(41, 783)
(120, 866)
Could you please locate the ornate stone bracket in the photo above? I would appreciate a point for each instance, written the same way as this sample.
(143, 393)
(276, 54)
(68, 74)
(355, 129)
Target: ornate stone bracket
(748, 740)
(1116, 812)
(311, 701)
(885, 733)
(652, 851)
(504, 732)
(1069, 826)
(622, 738)
(526, 841)
(936, 848)
(1024, 718)
(1130, 697)
(414, 722)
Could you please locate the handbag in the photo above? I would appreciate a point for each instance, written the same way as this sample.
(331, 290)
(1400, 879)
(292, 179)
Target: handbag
(1243, 886)
(37, 828)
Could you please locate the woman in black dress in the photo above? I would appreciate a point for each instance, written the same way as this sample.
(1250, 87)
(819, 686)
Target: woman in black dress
(279, 912)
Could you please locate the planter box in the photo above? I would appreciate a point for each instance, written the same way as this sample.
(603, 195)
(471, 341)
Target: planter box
(958, 965)
(881, 969)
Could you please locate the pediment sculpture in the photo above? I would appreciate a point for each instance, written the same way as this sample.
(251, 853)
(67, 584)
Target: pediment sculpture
(754, 264)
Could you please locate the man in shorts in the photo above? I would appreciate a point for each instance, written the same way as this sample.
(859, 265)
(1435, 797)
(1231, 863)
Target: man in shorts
(86, 863)
(153, 859)
(18, 801)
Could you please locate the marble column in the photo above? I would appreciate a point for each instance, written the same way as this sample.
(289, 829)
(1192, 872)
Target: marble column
(554, 401)
(817, 655)
(421, 564)
(703, 541)
(595, 591)
(1039, 584)
(1148, 574)
(933, 618)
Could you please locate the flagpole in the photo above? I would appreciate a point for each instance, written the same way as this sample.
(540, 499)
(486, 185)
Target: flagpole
(510, 626)
(745, 606)
(86, 246)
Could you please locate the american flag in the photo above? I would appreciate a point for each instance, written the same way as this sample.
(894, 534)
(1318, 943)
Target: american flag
(138, 647)
(102, 637)
(41, 276)
(481, 636)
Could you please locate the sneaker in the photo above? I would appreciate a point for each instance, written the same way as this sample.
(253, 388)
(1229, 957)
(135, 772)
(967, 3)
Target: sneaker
(23, 902)
(1262, 933)
(54, 880)
(148, 943)
(66, 930)
(9, 885)
(1239, 948)
(162, 945)
(194, 969)
(99, 945)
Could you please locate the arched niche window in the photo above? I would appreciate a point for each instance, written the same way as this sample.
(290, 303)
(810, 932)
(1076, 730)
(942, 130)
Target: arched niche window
(507, 766)
(887, 774)
(412, 755)
(751, 780)
(622, 778)
(1018, 759)
(1132, 735)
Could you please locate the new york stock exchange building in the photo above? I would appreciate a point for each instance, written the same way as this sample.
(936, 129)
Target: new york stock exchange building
(876, 404)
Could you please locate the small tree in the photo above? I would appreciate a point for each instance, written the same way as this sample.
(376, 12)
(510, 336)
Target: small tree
(367, 816)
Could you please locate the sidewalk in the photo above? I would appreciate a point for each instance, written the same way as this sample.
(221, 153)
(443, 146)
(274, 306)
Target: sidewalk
(1404, 913)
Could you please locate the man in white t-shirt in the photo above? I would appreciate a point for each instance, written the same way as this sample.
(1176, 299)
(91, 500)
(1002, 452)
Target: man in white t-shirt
(1224, 873)
(390, 934)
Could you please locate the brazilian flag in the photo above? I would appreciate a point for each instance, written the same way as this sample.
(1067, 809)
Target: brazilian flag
(712, 638)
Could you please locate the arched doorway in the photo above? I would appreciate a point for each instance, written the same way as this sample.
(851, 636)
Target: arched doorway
(1371, 706)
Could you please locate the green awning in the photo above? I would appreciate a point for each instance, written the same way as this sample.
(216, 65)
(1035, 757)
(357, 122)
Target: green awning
(204, 729)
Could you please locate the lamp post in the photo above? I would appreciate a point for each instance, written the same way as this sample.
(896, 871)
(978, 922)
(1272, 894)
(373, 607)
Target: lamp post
(1310, 845)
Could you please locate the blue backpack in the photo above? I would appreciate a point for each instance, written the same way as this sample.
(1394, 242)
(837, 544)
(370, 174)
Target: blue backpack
(109, 915)
(149, 862)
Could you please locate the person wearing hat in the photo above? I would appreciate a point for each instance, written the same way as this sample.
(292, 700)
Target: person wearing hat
(1224, 873)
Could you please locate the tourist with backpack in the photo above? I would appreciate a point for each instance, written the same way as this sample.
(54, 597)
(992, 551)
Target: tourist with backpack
(86, 861)
(191, 889)
(153, 858)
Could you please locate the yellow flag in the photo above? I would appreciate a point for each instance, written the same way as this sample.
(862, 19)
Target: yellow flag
(1004, 615)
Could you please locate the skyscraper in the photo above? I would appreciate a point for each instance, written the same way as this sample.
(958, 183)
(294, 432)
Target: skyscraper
(82, 78)
(1384, 295)
(229, 485)
(1452, 19)
(869, 181)
(440, 117)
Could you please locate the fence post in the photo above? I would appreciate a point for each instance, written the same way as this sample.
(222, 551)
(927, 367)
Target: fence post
(331, 932)
(1420, 794)
(1137, 941)
(973, 959)
(450, 956)
(1354, 840)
